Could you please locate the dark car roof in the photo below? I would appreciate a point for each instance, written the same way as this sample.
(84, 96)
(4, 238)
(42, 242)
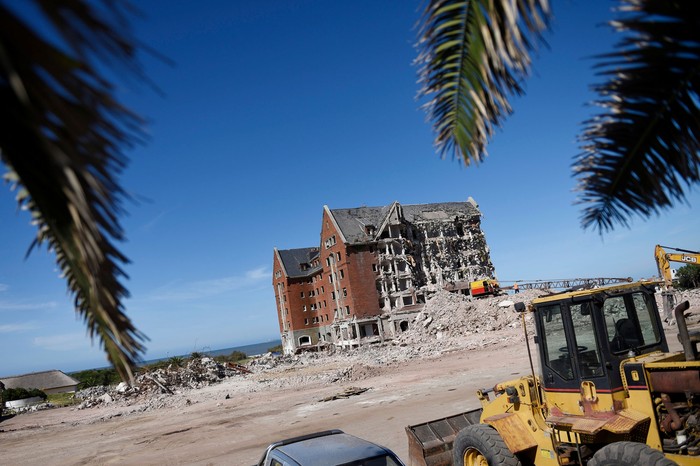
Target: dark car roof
(334, 449)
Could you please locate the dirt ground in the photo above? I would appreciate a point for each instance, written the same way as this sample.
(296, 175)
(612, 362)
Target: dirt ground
(207, 428)
(233, 421)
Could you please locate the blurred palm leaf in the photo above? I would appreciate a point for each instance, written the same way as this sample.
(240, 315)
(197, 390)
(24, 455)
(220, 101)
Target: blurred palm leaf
(642, 152)
(62, 132)
(473, 56)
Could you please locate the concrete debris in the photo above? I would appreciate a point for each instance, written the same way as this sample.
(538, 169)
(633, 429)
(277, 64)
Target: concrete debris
(449, 322)
(151, 387)
(449, 315)
(32, 408)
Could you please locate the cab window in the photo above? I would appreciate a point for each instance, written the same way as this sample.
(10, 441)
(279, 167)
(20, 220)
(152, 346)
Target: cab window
(647, 324)
(587, 354)
(630, 322)
(555, 348)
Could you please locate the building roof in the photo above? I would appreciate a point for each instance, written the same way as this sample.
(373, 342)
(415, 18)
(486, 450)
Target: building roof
(297, 262)
(41, 380)
(418, 213)
(354, 222)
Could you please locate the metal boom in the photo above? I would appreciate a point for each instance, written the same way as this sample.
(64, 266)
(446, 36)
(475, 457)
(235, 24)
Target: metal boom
(571, 283)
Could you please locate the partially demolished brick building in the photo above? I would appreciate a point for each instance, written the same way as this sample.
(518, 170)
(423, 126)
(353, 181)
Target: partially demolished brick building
(373, 271)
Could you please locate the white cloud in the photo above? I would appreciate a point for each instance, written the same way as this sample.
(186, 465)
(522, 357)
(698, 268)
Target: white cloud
(200, 289)
(14, 328)
(64, 342)
(25, 306)
(261, 273)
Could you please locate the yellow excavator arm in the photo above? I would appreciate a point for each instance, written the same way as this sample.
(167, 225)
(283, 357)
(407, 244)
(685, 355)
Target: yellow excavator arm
(664, 259)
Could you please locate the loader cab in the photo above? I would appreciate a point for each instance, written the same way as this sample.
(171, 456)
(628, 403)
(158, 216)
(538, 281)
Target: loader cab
(584, 335)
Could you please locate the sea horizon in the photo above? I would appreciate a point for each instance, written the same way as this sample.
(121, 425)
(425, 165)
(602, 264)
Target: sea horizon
(252, 349)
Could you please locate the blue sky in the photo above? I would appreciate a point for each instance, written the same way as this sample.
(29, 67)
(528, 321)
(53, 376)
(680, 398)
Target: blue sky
(274, 109)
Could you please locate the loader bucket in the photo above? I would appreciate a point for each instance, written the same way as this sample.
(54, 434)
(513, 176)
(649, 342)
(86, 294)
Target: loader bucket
(430, 443)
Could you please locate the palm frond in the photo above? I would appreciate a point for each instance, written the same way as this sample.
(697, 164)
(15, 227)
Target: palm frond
(473, 54)
(62, 133)
(640, 155)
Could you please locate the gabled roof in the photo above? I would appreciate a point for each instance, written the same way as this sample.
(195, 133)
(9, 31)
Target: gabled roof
(41, 380)
(354, 222)
(297, 262)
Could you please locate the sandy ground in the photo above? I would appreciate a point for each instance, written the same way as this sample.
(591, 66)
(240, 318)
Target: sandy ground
(210, 429)
(232, 422)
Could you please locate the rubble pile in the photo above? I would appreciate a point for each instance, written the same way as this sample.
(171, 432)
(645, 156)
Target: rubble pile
(154, 386)
(449, 315)
(32, 408)
(447, 323)
(693, 297)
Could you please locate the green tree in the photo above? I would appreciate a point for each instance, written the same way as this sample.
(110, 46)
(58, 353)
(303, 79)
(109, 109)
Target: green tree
(275, 349)
(20, 393)
(96, 378)
(176, 361)
(688, 277)
(62, 136)
(638, 156)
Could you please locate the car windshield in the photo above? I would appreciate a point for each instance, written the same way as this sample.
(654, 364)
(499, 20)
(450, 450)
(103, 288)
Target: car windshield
(383, 460)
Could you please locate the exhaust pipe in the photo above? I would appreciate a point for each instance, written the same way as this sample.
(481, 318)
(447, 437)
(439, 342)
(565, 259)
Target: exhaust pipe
(683, 335)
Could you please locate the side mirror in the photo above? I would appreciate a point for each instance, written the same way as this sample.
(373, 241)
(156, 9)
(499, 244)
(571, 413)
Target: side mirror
(520, 307)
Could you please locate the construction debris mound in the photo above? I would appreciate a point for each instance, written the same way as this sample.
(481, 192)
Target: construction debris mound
(451, 315)
(449, 322)
(157, 384)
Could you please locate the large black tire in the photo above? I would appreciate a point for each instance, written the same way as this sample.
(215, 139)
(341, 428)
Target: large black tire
(629, 454)
(481, 445)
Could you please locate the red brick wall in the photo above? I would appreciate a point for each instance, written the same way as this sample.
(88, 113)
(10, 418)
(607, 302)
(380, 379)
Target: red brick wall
(297, 303)
(359, 278)
(294, 302)
(328, 231)
(362, 289)
(277, 270)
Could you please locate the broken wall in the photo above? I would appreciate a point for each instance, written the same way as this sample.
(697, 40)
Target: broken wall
(425, 256)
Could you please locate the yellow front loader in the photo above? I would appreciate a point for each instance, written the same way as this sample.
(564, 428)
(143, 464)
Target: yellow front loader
(608, 393)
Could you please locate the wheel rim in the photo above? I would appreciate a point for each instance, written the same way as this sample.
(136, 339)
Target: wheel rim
(473, 457)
